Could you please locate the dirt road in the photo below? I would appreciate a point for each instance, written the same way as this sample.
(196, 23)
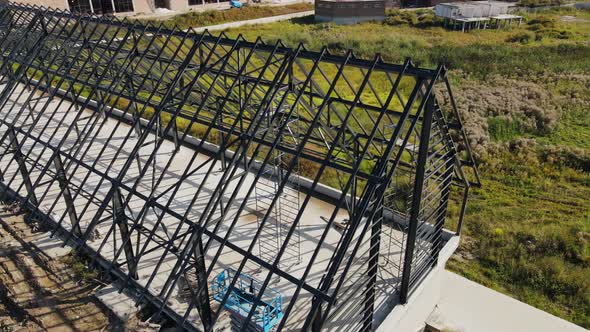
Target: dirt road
(38, 293)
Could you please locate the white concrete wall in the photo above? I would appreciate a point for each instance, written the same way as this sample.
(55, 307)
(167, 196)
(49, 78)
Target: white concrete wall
(143, 6)
(177, 5)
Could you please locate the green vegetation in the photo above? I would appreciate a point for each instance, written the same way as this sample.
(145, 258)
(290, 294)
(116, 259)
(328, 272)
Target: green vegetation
(479, 53)
(81, 268)
(199, 19)
(540, 3)
(524, 94)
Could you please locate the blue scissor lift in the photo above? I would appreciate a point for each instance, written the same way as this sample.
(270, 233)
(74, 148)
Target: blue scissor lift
(242, 295)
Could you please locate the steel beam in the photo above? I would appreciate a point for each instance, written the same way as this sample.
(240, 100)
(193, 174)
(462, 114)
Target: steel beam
(120, 219)
(66, 194)
(416, 198)
(22, 166)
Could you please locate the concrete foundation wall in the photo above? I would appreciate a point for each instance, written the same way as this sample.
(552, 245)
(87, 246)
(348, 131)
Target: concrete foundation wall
(349, 12)
(393, 4)
(347, 20)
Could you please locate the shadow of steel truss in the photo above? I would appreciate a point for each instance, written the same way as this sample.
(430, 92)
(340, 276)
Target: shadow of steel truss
(152, 148)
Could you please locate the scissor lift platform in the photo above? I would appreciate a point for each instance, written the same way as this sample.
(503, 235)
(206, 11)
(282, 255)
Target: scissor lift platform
(244, 294)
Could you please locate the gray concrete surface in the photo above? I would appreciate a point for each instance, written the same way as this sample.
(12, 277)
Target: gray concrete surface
(466, 306)
(52, 246)
(262, 20)
(119, 303)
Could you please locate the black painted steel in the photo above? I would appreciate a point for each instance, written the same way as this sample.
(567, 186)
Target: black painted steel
(159, 146)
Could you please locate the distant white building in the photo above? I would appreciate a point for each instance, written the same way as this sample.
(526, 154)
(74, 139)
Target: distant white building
(477, 14)
(472, 9)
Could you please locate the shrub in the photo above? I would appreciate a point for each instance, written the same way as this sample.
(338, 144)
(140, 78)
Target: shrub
(504, 129)
(419, 18)
(400, 17)
(427, 19)
(552, 33)
(540, 3)
(541, 22)
(523, 37)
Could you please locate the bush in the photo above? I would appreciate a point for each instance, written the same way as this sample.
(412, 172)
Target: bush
(541, 22)
(427, 19)
(504, 129)
(540, 3)
(417, 18)
(547, 27)
(400, 17)
(552, 33)
(523, 37)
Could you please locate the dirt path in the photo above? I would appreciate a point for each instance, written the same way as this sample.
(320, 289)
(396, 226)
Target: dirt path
(38, 293)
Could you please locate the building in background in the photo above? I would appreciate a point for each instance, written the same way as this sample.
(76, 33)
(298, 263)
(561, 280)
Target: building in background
(101, 7)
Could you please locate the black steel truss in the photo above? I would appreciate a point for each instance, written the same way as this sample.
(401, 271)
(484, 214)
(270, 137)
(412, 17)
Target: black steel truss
(152, 147)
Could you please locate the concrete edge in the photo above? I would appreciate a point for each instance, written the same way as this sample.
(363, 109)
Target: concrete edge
(412, 316)
(262, 20)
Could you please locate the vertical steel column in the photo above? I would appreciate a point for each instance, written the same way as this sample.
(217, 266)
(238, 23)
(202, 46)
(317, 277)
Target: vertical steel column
(120, 218)
(22, 166)
(417, 197)
(203, 303)
(221, 137)
(316, 325)
(67, 195)
(373, 267)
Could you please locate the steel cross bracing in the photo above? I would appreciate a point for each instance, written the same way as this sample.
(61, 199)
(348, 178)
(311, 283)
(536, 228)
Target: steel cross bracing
(168, 156)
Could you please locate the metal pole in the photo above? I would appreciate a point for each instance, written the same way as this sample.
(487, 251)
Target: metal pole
(202, 296)
(22, 166)
(67, 195)
(121, 220)
(463, 207)
(373, 268)
(416, 198)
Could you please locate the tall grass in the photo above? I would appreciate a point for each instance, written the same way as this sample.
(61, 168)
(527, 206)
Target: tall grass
(557, 48)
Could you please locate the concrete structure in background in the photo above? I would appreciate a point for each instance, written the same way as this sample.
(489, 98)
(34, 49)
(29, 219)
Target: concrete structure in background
(418, 3)
(100, 7)
(349, 11)
(477, 14)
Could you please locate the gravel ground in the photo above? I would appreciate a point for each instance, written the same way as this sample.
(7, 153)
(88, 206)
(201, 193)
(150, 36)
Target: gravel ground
(38, 293)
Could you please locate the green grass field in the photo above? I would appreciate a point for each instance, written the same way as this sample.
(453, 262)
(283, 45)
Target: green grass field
(525, 96)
